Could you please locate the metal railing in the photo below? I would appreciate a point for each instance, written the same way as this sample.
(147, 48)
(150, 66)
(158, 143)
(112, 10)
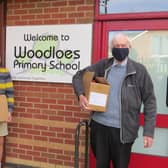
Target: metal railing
(84, 123)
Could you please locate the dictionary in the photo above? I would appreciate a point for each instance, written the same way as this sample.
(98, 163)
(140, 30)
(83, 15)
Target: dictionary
(3, 108)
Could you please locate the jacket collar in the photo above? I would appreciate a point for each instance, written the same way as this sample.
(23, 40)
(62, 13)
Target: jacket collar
(130, 67)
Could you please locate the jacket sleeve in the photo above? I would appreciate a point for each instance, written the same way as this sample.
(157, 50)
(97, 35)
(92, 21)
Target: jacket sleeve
(9, 92)
(149, 102)
(77, 78)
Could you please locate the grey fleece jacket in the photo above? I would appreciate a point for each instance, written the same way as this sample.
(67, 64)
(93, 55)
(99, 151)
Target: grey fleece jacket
(137, 88)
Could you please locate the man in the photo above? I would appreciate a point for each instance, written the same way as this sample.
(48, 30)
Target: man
(113, 132)
(6, 88)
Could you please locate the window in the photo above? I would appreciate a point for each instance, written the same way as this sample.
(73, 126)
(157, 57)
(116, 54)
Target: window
(129, 6)
(159, 45)
(149, 47)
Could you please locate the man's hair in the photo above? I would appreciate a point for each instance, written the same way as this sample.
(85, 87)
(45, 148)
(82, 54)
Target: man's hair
(119, 35)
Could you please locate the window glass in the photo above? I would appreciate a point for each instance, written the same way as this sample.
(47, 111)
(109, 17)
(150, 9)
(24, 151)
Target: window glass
(132, 6)
(159, 46)
(150, 48)
(160, 145)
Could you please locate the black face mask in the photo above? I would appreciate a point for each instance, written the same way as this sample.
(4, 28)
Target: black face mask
(120, 53)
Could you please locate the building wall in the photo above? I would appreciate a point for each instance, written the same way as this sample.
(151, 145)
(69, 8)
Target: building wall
(46, 114)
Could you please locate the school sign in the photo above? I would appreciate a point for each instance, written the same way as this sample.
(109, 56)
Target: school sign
(52, 53)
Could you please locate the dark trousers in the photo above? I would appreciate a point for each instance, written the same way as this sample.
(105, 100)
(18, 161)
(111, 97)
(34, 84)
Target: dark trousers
(106, 146)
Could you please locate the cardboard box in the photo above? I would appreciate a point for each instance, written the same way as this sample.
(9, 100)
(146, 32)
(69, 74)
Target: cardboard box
(96, 93)
(3, 108)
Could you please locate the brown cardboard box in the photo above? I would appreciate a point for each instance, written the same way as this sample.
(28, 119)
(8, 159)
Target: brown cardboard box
(3, 108)
(96, 93)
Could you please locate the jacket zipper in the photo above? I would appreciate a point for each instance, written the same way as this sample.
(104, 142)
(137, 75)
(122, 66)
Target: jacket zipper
(121, 129)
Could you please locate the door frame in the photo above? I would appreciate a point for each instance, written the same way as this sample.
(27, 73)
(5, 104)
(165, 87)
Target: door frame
(103, 23)
(100, 50)
(3, 8)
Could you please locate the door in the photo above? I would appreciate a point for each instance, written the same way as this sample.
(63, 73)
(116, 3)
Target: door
(149, 46)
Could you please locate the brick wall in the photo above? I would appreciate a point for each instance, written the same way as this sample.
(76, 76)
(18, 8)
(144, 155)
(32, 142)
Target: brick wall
(46, 114)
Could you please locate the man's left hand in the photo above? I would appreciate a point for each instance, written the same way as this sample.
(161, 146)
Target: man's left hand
(9, 117)
(148, 141)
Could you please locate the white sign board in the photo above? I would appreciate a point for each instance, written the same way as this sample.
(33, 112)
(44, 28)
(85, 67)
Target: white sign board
(51, 53)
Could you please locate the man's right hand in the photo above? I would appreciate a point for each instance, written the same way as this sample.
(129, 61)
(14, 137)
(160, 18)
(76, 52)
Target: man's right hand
(84, 104)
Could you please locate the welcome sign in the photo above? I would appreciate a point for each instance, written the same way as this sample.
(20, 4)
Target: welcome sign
(52, 53)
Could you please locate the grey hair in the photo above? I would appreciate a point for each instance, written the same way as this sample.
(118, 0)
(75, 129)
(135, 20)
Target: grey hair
(118, 35)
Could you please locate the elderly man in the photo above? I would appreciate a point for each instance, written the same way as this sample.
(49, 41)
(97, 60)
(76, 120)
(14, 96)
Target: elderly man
(113, 132)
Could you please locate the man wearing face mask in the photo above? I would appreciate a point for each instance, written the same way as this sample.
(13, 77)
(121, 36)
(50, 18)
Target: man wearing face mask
(114, 131)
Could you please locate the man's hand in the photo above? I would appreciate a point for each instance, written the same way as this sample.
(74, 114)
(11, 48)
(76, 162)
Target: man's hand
(148, 141)
(9, 117)
(84, 104)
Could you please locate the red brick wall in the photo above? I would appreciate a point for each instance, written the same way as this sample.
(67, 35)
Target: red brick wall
(46, 114)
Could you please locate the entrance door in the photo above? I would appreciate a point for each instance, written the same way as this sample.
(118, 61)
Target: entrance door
(149, 46)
